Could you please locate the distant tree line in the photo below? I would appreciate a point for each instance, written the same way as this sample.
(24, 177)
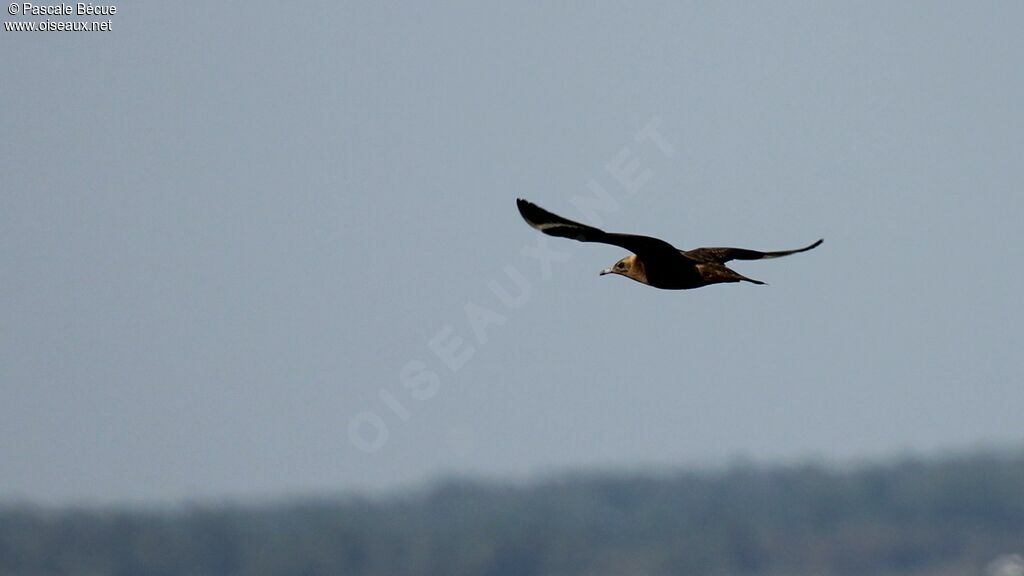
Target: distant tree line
(939, 517)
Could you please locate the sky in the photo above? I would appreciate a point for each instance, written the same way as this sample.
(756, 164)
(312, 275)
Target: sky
(253, 251)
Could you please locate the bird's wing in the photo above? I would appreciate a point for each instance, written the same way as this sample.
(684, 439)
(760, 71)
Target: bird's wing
(723, 255)
(554, 225)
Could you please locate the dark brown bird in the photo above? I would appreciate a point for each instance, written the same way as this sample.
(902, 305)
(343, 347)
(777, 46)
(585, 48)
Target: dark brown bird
(654, 262)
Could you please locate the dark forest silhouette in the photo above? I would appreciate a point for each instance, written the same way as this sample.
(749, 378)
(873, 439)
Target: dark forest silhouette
(940, 516)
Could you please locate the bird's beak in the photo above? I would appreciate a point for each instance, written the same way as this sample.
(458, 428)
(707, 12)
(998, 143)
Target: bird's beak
(605, 271)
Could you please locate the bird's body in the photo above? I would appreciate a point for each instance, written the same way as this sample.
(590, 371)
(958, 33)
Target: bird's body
(654, 262)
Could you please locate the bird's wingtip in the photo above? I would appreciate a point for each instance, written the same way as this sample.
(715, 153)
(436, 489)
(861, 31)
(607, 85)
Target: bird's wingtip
(528, 210)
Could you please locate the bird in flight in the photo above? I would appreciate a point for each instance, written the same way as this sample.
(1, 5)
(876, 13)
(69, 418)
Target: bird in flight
(654, 262)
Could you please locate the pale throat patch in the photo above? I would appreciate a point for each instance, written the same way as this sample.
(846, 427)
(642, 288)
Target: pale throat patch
(635, 269)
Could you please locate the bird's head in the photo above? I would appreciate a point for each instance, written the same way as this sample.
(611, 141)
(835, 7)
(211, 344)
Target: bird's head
(630, 267)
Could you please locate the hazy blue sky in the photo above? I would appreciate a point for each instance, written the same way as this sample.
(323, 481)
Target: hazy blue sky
(234, 234)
